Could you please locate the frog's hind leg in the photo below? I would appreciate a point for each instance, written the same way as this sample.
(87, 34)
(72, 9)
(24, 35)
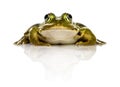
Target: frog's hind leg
(23, 40)
(99, 42)
(80, 25)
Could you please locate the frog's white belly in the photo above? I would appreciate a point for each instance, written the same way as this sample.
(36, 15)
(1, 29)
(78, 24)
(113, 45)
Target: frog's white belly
(60, 36)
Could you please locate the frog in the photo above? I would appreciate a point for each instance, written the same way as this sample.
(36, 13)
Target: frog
(59, 30)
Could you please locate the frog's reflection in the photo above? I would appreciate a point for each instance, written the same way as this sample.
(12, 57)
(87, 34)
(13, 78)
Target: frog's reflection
(59, 58)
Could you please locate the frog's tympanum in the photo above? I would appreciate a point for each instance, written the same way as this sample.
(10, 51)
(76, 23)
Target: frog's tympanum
(59, 30)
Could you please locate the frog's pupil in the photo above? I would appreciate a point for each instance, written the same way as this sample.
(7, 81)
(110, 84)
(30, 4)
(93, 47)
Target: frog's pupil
(46, 16)
(70, 16)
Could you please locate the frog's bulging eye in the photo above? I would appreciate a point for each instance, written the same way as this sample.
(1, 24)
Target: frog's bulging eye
(70, 16)
(49, 18)
(46, 16)
(67, 17)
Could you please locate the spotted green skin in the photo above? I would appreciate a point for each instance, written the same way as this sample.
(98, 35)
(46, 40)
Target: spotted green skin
(84, 35)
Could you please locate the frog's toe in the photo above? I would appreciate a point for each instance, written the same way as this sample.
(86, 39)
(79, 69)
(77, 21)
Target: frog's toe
(17, 43)
(78, 43)
(99, 42)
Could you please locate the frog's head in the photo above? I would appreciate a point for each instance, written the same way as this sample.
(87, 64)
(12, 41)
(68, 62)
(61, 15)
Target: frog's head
(62, 22)
(59, 30)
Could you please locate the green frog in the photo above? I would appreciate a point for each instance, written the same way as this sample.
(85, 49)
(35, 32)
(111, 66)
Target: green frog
(59, 30)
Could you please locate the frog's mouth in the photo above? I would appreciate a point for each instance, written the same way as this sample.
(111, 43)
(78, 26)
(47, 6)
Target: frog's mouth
(58, 27)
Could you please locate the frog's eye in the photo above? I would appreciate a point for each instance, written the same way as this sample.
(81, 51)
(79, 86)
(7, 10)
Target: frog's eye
(67, 17)
(46, 16)
(49, 18)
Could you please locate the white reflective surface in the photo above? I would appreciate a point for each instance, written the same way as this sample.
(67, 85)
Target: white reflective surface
(29, 65)
(59, 59)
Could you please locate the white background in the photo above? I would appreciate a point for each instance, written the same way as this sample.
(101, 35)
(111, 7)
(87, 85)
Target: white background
(30, 66)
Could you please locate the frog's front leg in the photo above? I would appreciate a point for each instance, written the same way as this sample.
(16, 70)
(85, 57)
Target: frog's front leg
(86, 37)
(32, 36)
(36, 38)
